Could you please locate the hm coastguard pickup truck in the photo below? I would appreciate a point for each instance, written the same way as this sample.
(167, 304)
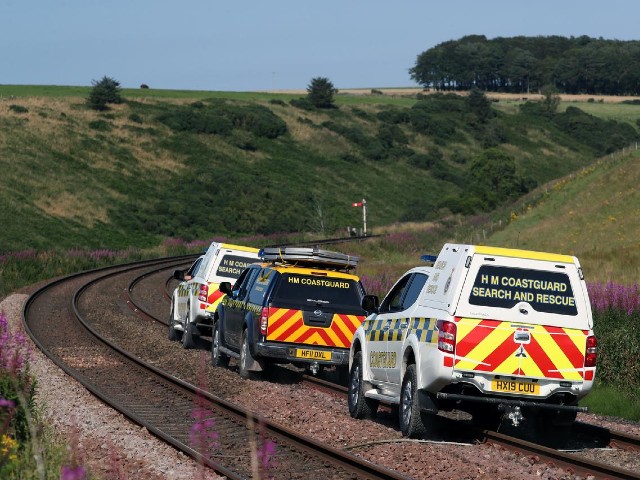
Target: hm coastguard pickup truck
(497, 332)
(195, 298)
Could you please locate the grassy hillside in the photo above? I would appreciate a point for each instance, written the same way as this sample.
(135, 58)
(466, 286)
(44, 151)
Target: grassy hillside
(592, 214)
(201, 164)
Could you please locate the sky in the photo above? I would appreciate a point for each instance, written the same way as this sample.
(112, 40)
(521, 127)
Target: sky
(257, 45)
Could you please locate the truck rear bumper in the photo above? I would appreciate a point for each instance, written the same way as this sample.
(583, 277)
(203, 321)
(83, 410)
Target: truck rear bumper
(509, 402)
(291, 354)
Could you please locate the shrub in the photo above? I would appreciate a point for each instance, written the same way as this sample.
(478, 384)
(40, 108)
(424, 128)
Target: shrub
(244, 141)
(222, 119)
(394, 116)
(426, 160)
(302, 103)
(358, 112)
(100, 125)
(134, 117)
(18, 109)
(422, 121)
(353, 134)
(390, 135)
(604, 136)
(258, 120)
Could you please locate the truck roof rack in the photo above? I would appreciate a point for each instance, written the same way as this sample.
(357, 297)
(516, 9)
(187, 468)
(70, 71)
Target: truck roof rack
(309, 256)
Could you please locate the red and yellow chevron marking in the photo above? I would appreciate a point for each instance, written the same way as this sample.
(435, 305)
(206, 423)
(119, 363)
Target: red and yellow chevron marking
(489, 346)
(214, 297)
(286, 325)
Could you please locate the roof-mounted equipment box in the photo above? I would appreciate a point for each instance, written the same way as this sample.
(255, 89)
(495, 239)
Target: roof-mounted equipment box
(309, 256)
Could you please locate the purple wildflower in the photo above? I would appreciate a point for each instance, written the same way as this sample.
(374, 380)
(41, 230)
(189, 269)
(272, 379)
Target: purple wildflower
(203, 433)
(102, 253)
(614, 296)
(73, 473)
(266, 458)
(13, 348)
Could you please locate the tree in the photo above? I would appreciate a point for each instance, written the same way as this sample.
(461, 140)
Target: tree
(320, 92)
(493, 177)
(551, 100)
(104, 92)
(479, 104)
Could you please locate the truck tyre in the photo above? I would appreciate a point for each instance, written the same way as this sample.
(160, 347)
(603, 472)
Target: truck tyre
(359, 405)
(409, 412)
(174, 335)
(188, 340)
(246, 360)
(218, 359)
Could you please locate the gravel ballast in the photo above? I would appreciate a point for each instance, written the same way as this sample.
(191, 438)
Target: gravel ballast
(104, 434)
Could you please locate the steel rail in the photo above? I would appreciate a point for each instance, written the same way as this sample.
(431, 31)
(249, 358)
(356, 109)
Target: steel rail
(312, 449)
(567, 460)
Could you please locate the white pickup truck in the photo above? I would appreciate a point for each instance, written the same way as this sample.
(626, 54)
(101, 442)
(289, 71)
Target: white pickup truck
(198, 292)
(497, 332)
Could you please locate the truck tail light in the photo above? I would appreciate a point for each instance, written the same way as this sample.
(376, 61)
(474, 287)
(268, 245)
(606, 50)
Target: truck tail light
(264, 320)
(446, 336)
(203, 296)
(591, 354)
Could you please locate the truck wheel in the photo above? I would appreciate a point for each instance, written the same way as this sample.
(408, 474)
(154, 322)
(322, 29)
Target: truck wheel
(218, 359)
(246, 360)
(188, 340)
(359, 405)
(174, 335)
(409, 412)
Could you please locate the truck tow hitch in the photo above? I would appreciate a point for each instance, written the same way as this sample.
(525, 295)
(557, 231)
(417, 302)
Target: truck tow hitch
(314, 368)
(512, 413)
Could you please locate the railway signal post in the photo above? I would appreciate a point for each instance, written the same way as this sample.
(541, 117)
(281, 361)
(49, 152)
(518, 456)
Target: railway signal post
(362, 204)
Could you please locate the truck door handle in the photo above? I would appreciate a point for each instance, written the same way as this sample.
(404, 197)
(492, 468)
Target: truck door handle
(404, 324)
(387, 325)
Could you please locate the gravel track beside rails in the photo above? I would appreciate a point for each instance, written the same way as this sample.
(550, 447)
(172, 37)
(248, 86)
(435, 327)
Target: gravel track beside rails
(284, 400)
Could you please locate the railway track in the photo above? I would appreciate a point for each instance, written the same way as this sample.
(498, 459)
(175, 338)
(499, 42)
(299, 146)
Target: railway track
(572, 462)
(157, 277)
(228, 439)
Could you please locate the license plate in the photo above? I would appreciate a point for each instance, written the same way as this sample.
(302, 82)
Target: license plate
(511, 386)
(312, 354)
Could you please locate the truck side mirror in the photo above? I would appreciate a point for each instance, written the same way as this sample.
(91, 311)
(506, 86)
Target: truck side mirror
(370, 303)
(178, 275)
(225, 287)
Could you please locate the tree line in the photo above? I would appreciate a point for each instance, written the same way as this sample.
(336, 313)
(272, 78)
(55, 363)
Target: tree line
(573, 65)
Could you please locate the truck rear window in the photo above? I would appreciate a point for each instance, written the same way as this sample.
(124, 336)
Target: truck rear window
(231, 266)
(504, 287)
(331, 294)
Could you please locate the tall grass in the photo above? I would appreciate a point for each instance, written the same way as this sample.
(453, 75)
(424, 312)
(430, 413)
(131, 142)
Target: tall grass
(616, 310)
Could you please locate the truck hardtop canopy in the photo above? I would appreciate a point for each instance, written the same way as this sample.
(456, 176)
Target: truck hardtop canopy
(487, 281)
(309, 256)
